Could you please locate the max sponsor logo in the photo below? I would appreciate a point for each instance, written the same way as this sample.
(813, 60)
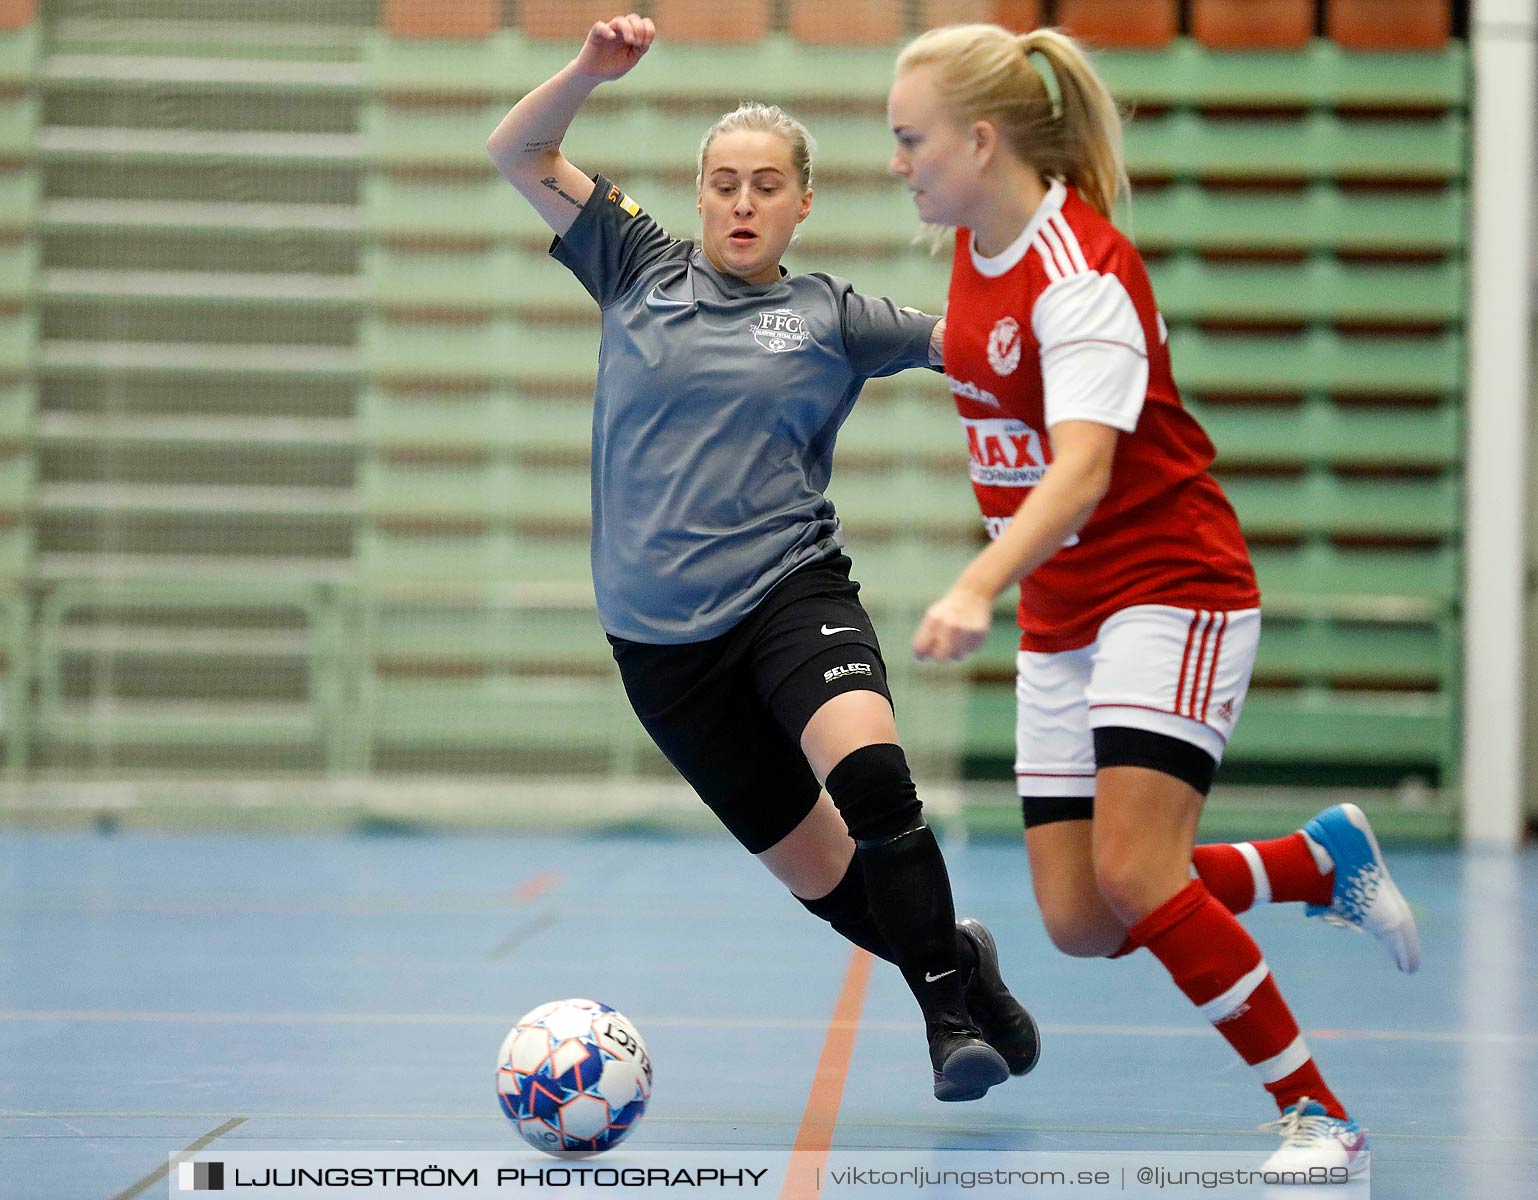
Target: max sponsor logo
(1004, 452)
(845, 670)
(780, 331)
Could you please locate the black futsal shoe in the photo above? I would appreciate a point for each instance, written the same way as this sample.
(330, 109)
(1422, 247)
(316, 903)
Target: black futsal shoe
(1002, 1019)
(965, 1066)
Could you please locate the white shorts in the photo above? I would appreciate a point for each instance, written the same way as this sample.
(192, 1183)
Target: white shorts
(1174, 671)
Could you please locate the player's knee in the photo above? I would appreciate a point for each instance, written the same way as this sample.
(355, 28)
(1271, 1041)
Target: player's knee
(873, 790)
(1079, 933)
(1126, 881)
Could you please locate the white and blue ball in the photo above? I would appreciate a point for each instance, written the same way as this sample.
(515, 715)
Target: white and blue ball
(573, 1077)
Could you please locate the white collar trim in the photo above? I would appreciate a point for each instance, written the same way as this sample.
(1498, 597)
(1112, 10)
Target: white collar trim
(1007, 259)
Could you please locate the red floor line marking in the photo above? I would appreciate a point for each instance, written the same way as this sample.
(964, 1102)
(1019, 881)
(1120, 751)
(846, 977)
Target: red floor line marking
(815, 1136)
(536, 886)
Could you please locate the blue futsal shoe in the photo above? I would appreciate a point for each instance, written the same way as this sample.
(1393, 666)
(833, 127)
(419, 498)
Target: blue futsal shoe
(1313, 1141)
(1364, 896)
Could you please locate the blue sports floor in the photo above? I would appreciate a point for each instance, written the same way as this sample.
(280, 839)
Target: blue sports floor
(336, 992)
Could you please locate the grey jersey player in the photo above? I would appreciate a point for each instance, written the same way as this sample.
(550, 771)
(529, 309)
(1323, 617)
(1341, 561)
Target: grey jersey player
(722, 382)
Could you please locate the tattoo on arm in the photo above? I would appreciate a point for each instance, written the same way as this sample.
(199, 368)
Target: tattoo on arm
(535, 147)
(549, 182)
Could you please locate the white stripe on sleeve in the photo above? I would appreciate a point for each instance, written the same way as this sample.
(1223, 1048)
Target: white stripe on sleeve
(1070, 240)
(1047, 260)
(1064, 259)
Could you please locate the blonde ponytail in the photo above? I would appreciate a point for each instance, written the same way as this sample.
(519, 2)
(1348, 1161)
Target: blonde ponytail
(985, 72)
(1091, 139)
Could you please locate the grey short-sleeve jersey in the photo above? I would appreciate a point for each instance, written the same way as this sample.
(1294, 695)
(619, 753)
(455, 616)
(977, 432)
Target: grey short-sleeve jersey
(716, 407)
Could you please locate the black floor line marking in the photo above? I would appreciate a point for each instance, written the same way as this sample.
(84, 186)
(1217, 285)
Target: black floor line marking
(164, 1169)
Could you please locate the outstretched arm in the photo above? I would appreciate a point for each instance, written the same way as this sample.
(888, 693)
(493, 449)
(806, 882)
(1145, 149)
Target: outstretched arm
(1056, 508)
(526, 146)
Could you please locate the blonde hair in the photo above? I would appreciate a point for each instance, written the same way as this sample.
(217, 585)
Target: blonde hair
(985, 72)
(763, 118)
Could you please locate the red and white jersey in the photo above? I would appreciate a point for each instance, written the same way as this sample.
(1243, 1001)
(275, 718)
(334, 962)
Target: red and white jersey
(1062, 326)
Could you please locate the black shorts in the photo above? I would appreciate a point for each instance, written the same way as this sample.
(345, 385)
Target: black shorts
(729, 712)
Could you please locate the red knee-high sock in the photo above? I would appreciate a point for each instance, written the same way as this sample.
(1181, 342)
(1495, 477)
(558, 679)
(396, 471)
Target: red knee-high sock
(1245, 874)
(1220, 969)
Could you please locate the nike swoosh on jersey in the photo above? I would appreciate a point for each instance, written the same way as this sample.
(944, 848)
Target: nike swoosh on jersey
(928, 978)
(827, 632)
(656, 301)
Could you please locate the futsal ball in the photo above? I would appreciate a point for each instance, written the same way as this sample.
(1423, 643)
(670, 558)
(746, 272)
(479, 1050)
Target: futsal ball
(573, 1077)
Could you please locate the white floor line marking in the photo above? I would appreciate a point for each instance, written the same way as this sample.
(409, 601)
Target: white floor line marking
(1194, 1030)
(164, 1169)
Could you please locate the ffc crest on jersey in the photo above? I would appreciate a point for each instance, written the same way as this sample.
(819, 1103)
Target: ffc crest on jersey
(780, 331)
(1004, 452)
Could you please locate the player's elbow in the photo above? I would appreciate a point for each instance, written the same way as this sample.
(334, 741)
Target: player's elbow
(509, 165)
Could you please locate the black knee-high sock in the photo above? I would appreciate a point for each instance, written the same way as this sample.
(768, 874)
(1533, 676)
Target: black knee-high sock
(906, 883)
(847, 909)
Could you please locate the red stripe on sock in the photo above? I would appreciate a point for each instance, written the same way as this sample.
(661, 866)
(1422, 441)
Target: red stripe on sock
(1227, 875)
(1206, 951)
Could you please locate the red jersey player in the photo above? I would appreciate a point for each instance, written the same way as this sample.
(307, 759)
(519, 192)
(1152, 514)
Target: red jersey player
(1139, 612)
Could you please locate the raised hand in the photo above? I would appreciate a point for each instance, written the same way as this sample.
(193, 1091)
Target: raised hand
(615, 46)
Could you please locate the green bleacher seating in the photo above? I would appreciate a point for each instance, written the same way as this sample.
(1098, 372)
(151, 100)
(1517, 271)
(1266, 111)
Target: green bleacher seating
(1319, 145)
(500, 278)
(81, 619)
(1317, 360)
(18, 271)
(16, 662)
(17, 400)
(465, 397)
(1317, 576)
(1412, 654)
(18, 336)
(1320, 76)
(18, 125)
(493, 489)
(20, 50)
(20, 198)
(494, 350)
(1318, 431)
(1320, 502)
(1320, 217)
(1319, 289)
(908, 498)
(481, 423)
(1408, 730)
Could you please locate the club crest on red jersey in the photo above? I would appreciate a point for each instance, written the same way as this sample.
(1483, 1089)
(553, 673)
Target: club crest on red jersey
(780, 331)
(1004, 346)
